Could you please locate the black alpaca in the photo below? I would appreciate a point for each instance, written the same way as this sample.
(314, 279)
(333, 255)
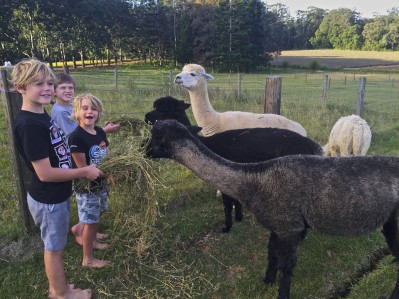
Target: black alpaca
(242, 145)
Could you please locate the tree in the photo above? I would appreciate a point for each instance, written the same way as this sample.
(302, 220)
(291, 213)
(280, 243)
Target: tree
(306, 24)
(239, 38)
(375, 33)
(340, 29)
(8, 32)
(393, 35)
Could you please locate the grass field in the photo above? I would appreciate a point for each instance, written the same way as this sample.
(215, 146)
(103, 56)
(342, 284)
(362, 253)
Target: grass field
(340, 59)
(182, 254)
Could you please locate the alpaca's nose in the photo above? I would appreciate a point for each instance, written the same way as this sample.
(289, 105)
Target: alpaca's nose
(177, 79)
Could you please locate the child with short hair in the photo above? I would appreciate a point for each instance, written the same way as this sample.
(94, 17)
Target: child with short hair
(89, 145)
(45, 151)
(64, 91)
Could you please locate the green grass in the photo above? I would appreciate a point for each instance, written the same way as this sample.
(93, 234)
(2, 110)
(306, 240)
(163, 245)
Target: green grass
(183, 254)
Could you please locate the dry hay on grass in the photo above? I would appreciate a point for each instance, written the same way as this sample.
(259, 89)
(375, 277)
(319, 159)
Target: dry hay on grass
(132, 181)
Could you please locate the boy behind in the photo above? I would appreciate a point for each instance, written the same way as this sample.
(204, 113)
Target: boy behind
(45, 151)
(64, 90)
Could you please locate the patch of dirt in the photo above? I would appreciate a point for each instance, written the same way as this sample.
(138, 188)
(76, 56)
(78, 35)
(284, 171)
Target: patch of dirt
(21, 249)
(392, 67)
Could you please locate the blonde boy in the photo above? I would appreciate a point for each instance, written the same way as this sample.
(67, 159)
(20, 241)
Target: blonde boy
(44, 149)
(89, 145)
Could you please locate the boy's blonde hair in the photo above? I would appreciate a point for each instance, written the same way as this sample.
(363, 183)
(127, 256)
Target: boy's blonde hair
(28, 71)
(77, 106)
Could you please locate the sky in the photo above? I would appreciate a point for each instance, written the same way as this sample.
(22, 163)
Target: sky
(366, 7)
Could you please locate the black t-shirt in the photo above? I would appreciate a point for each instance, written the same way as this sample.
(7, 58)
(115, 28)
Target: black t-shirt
(38, 137)
(93, 146)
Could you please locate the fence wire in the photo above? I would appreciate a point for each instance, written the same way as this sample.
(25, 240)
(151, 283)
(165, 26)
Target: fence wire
(303, 99)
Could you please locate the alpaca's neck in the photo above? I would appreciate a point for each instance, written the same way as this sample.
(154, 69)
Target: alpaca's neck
(204, 114)
(220, 173)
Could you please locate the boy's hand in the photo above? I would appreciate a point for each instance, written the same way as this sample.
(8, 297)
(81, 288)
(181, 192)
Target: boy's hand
(93, 172)
(110, 127)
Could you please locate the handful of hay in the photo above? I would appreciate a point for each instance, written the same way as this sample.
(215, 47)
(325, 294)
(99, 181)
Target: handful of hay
(127, 167)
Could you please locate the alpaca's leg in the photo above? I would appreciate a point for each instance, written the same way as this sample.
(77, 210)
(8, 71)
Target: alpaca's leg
(228, 212)
(287, 248)
(238, 208)
(390, 231)
(333, 151)
(272, 265)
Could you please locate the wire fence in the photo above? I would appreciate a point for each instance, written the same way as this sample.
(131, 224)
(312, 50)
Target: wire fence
(305, 98)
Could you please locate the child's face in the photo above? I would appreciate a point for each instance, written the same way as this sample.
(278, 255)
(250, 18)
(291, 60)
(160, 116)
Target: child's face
(88, 114)
(38, 93)
(64, 93)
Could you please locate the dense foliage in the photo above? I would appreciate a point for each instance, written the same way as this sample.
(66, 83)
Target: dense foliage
(234, 35)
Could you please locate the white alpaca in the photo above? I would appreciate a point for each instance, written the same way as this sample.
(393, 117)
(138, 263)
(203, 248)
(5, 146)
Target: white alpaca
(193, 78)
(351, 135)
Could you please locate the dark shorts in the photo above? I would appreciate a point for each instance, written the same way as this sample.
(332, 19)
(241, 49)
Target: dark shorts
(53, 221)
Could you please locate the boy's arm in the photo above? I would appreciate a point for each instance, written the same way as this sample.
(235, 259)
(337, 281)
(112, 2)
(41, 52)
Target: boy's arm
(47, 173)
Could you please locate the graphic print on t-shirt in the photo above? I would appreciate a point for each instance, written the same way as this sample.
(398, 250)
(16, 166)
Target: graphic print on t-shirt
(61, 147)
(96, 153)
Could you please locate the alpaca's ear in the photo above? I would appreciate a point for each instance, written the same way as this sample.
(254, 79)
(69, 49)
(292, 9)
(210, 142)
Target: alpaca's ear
(194, 129)
(185, 106)
(208, 77)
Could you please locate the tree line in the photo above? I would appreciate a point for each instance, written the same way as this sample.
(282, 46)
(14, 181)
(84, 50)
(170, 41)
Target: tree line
(228, 35)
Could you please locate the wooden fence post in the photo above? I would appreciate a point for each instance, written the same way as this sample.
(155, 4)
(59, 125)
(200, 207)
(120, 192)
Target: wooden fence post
(273, 94)
(360, 98)
(12, 102)
(325, 87)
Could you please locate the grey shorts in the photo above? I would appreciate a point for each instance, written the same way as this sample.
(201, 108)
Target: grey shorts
(91, 205)
(53, 221)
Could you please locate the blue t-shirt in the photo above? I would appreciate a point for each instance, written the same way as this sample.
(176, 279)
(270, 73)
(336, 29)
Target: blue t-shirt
(61, 116)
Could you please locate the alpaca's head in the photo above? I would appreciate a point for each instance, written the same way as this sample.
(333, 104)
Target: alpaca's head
(163, 134)
(192, 76)
(168, 108)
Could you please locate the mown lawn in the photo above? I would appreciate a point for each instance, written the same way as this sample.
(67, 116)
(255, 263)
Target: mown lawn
(339, 59)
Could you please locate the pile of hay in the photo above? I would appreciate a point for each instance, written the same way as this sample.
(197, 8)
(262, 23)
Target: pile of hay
(132, 182)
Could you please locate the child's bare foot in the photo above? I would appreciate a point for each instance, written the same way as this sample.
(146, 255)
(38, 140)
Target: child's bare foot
(77, 230)
(100, 236)
(95, 263)
(51, 292)
(78, 294)
(100, 246)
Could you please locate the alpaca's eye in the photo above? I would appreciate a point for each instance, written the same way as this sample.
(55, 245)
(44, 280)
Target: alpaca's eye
(192, 74)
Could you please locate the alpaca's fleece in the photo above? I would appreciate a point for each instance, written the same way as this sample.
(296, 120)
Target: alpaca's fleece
(350, 136)
(339, 196)
(193, 78)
